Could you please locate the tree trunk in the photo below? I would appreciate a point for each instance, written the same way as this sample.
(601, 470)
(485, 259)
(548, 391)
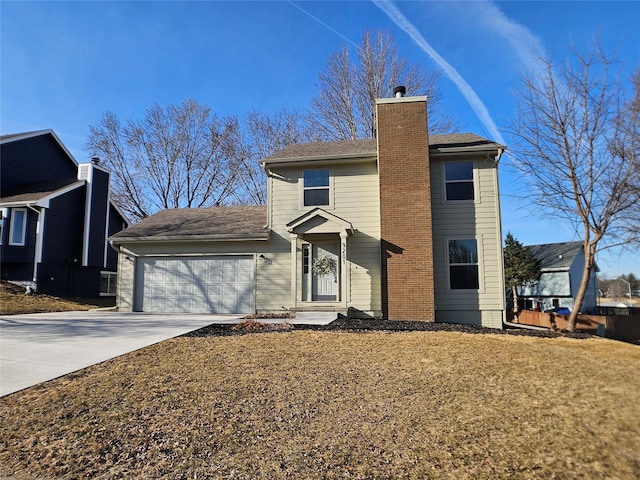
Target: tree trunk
(515, 302)
(589, 257)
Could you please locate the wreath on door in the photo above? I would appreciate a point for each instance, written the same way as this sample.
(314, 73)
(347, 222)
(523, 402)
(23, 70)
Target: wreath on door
(324, 266)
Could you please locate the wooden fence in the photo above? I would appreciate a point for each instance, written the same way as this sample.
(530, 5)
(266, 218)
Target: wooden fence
(621, 327)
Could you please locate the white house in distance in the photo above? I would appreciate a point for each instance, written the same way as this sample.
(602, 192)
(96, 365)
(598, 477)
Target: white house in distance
(405, 227)
(562, 265)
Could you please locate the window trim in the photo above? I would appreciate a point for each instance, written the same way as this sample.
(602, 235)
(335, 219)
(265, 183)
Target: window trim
(303, 189)
(111, 277)
(4, 213)
(473, 181)
(479, 264)
(12, 227)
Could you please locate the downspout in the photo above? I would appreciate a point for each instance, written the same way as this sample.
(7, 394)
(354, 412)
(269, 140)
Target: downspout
(37, 257)
(269, 187)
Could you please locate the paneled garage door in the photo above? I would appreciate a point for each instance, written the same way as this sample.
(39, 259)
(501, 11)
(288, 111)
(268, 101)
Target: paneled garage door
(221, 284)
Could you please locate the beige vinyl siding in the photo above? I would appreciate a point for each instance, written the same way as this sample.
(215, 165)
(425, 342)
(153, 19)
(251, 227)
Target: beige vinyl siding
(355, 198)
(480, 220)
(126, 275)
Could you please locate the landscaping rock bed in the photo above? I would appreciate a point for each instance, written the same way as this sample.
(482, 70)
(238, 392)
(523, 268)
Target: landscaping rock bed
(369, 325)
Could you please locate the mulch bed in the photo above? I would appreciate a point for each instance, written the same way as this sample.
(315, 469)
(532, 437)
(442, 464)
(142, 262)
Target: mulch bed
(368, 325)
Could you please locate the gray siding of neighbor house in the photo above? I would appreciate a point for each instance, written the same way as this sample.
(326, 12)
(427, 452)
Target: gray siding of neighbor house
(115, 224)
(35, 159)
(62, 247)
(98, 218)
(17, 261)
(479, 219)
(562, 287)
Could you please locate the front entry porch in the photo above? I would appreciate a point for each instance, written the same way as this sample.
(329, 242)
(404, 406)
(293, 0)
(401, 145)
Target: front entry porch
(319, 265)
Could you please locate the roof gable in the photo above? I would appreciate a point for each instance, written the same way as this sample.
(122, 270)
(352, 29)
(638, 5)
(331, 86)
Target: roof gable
(319, 221)
(556, 255)
(14, 137)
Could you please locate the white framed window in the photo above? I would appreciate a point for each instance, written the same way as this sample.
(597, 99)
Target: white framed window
(316, 187)
(18, 227)
(459, 181)
(3, 214)
(108, 282)
(464, 264)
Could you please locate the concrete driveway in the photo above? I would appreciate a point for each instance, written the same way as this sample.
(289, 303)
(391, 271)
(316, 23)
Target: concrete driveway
(42, 346)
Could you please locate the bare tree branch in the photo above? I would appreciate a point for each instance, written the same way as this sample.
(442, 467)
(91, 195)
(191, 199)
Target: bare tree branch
(175, 157)
(577, 149)
(344, 108)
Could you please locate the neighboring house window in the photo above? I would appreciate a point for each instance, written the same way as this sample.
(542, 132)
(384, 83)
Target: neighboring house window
(458, 179)
(18, 228)
(463, 265)
(108, 283)
(316, 187)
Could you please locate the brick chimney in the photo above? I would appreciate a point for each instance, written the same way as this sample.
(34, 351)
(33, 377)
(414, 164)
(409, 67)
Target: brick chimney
(405, 208)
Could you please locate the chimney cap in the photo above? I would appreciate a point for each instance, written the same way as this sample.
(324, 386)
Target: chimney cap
(95, 160)
(399, 91)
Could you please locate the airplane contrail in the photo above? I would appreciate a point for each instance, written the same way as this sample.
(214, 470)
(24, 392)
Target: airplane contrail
(527, 46)
(478, 106)
(323, 24)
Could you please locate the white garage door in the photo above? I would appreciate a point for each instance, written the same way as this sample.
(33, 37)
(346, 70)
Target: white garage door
(222, 284)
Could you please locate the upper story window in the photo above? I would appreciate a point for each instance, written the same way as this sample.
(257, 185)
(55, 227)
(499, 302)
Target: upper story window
(463, 265)
(316, 187)
(18, 228)
(458, 179)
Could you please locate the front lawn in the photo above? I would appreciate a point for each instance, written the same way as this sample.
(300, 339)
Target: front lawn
(14, 300)
(336, 405)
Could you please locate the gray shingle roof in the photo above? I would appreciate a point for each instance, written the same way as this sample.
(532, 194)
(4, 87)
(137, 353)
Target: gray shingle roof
(194, 223)
(369, 147)
(32, 192)
(556, 255)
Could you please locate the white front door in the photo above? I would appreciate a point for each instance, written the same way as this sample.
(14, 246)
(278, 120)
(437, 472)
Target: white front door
(324, 272)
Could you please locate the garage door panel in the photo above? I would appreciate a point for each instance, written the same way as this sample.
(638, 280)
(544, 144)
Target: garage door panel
(198, 285)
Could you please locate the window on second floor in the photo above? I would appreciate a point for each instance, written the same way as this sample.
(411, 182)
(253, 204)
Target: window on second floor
(459, 182)
(316, 187)
(463, 265)
(18, 228)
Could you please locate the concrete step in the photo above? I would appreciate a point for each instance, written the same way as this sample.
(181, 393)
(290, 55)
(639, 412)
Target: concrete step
(314, 317)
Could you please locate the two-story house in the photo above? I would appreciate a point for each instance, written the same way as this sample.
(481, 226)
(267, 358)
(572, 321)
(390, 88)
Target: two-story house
(55, 217)
(562, 265)
(405, 227)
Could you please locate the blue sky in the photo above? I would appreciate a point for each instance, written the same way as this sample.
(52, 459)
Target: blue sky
(64, 63)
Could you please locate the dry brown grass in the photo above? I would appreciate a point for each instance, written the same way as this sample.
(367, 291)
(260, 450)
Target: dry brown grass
(13, 300)
(335, 405)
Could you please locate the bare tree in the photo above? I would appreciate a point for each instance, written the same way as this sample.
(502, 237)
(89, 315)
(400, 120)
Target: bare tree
(577, 155)
(344, 108)
(264, 134)
(176, 157)
(627, 144)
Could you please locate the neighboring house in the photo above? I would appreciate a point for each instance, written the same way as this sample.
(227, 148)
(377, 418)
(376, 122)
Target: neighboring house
(405, 227)
(562, 265)
(55, 218)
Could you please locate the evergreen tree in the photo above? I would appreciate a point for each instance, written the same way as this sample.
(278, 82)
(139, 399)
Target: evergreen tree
(521, 268)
